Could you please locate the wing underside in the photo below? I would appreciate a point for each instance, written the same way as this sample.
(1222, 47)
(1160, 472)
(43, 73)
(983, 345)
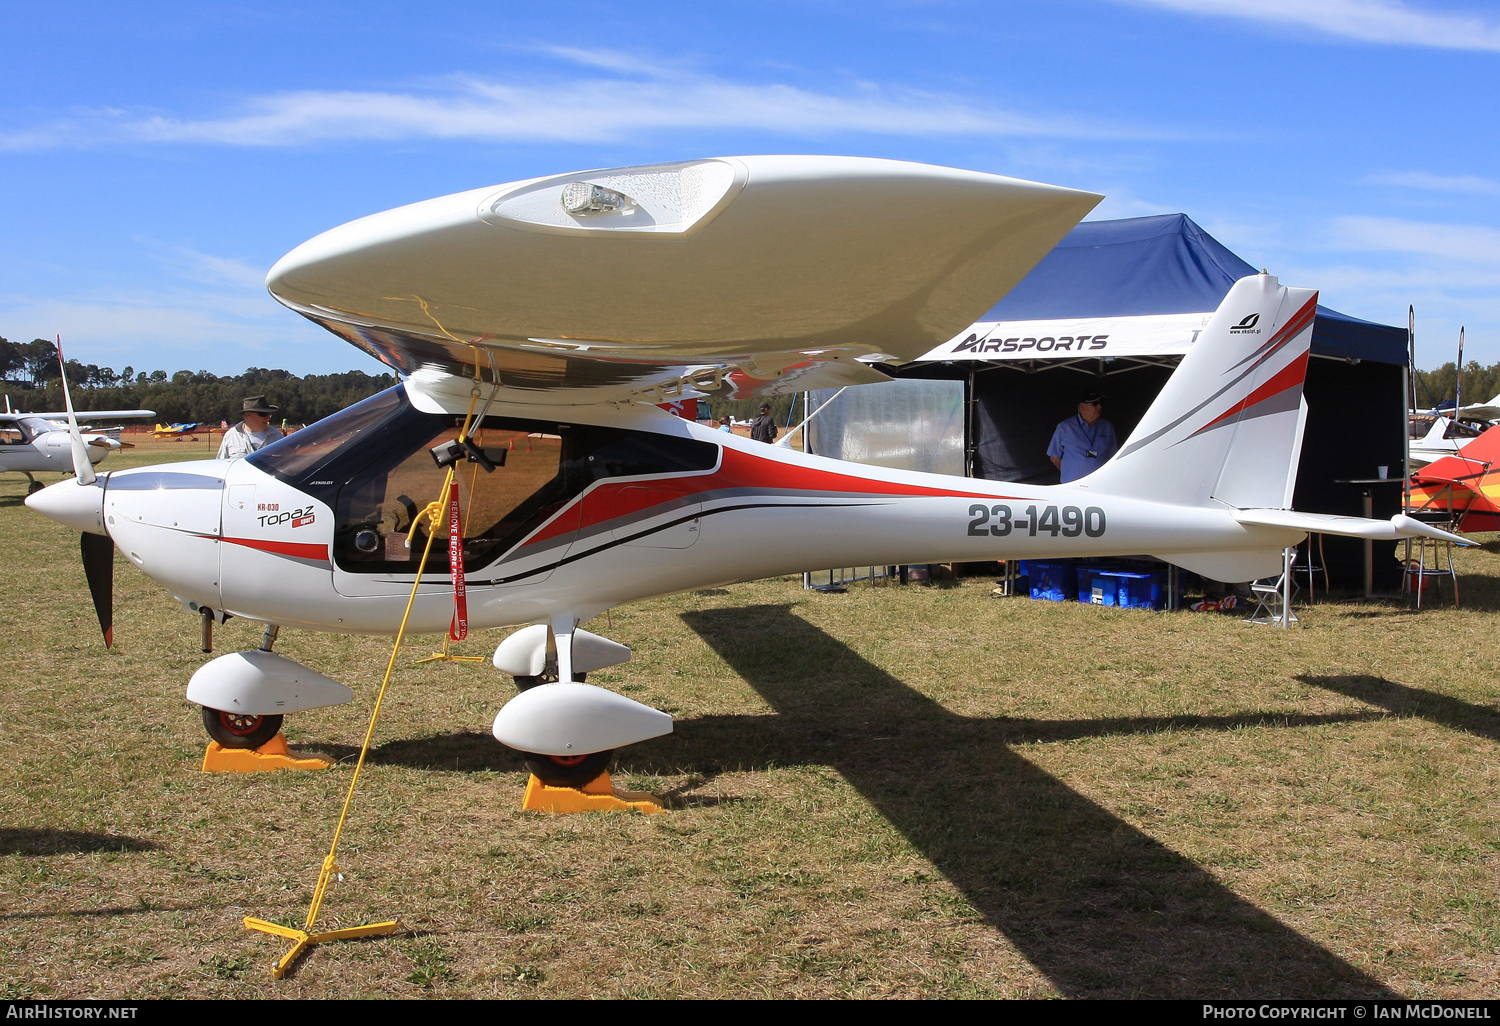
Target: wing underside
(739, 276)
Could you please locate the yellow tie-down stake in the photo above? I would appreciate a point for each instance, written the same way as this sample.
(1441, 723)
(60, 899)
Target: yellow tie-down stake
(306, 939)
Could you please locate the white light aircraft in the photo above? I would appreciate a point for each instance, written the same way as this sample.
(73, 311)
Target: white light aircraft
(557, 312)
(32, 442)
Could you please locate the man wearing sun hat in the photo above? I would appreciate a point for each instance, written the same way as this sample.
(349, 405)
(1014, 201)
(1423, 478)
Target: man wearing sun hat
(251, 433)
(1082, 443)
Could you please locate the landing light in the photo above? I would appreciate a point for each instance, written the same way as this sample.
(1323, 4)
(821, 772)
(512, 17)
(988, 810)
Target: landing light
(588, 198)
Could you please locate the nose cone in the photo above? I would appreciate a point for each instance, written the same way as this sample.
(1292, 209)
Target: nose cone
(79, 506)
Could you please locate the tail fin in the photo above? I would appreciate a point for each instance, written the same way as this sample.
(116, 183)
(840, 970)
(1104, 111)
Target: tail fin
(1227, 428)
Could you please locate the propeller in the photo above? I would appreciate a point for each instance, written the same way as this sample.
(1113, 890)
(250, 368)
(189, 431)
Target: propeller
(98, 550)
(82, 468)
(98, 553)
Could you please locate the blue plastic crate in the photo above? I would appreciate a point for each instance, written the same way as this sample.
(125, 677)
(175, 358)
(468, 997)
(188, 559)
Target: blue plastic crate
(1106, 586)
(1051, 580)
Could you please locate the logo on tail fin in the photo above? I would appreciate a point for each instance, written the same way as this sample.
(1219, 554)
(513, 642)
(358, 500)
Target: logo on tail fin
(1247, 325)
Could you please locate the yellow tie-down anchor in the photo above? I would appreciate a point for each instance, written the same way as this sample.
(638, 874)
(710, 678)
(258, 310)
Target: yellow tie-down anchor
(305, 938)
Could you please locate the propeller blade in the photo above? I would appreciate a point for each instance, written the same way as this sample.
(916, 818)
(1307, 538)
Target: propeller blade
(99, 567)
(82, 468)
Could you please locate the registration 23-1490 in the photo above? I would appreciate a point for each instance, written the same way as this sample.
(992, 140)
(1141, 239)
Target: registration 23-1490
(1000, 520)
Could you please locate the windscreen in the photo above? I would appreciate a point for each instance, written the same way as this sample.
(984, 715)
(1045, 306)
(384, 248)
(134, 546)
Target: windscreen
(298, 457)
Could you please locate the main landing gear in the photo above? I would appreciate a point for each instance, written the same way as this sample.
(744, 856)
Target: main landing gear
(35, 485)
(567, 731)
(568, 770)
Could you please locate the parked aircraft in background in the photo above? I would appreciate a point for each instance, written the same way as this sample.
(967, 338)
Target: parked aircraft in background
(1465, 485)
(1434, 434)
(559, 312)
(177, 430)
(32, 442)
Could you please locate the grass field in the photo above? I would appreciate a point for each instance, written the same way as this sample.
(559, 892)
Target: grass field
(912, 791)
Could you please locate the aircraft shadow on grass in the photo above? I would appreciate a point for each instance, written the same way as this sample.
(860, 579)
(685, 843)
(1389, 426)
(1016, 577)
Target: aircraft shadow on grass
(47, 841)
(1099, 907)
(1404, 700)
(1096, 905)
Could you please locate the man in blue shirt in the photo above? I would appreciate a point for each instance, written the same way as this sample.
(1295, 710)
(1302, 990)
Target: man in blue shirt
(1082, 443)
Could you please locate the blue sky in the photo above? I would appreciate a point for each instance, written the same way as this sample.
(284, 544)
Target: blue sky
(155, 160)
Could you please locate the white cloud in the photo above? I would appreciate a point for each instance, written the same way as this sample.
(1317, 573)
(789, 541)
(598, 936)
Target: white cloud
(1470, 184)
(190, 264)
(1470, 244)
(1370, 21)
(642, 97)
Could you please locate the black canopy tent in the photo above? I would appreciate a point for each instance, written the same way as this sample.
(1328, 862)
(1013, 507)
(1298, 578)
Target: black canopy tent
(1134, 292)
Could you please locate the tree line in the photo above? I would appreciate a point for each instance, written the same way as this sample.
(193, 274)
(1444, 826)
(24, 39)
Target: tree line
(28, 371)
(29, 375)
(1435, 387)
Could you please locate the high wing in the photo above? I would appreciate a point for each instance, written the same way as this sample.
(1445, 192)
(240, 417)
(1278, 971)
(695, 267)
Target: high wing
(732, 276)
(95, 415)
(1482, 411)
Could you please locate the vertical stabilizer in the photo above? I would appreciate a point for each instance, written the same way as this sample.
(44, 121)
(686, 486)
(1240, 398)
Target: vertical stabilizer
(1227, 428)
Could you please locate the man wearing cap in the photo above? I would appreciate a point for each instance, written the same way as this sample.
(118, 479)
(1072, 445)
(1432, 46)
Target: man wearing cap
(763, 428)
(1082, 443)
(252, 433)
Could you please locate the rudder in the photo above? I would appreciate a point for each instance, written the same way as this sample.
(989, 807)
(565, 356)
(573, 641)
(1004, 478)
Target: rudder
(1227, 428)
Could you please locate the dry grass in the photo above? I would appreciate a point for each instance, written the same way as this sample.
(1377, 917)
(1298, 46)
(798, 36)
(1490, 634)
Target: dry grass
(892, 792)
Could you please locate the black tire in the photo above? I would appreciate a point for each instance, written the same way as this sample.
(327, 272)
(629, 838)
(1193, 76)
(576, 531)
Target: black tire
(562, 771)
(527, 683)
(34, 487)
(233, 730)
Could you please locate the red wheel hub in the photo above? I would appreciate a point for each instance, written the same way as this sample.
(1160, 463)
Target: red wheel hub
(567, 760)
(240, 725)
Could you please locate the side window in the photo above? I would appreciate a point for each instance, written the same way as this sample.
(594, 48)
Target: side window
(541, 468)
(11, 434)
(378, 524)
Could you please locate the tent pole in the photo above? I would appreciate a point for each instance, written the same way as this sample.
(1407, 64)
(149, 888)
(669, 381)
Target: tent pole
(1410, 384)
(786, 438)
(969, 425)
(1458, 377)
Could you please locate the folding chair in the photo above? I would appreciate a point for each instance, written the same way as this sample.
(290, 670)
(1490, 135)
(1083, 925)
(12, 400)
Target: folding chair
(1274, 596)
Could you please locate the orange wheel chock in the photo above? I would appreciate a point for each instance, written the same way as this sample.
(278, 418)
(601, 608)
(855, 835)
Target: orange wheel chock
(598, 795)
(273, 755)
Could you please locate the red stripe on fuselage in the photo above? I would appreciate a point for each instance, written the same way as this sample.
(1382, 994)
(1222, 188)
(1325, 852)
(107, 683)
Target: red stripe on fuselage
(301, 550)
(737, 470)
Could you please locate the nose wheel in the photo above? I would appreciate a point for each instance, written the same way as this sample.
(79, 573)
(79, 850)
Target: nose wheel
(238, 730)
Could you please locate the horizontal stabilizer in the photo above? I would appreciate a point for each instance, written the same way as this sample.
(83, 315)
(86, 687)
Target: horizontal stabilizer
(1399, 526)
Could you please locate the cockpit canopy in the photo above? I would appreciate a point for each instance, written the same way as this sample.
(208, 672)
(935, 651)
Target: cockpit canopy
(372, 464)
